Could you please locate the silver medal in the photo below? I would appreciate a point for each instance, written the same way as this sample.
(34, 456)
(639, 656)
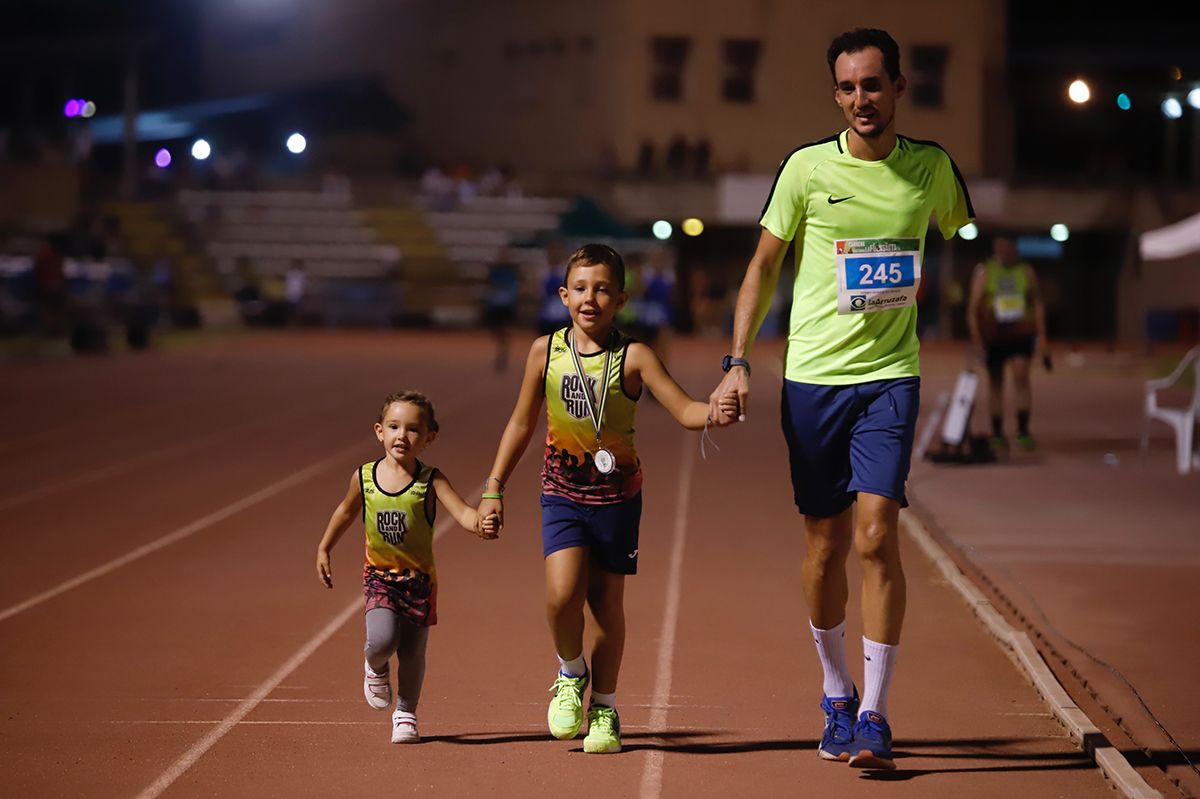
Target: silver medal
(605, 462)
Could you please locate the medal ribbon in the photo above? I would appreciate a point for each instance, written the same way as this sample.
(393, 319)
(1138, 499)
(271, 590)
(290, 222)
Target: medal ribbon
(596, 413)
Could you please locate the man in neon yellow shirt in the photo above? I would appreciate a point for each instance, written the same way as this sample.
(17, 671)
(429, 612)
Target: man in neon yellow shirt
(857, 205)
(1007, 321)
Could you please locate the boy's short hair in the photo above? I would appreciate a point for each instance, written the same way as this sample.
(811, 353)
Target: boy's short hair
(860, 39)
(412, 398)
(596, 255)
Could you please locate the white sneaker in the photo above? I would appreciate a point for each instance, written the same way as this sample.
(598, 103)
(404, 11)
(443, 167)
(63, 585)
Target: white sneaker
(377, 688)
(404, 728)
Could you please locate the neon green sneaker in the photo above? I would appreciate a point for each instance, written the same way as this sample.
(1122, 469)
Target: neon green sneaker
(604, 731)
(565, 715)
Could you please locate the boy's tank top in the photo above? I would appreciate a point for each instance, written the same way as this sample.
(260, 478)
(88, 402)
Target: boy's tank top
(569, 469)
(399, 526)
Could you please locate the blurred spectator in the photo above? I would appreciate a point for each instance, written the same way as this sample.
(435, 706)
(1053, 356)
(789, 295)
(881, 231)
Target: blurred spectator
(248, 294)
(438, 189)
(552, 314)
(512, 186)
(295, 284)
(492, 183)
(501, 295)
(628, 316)
(677, 153)
(657, 308)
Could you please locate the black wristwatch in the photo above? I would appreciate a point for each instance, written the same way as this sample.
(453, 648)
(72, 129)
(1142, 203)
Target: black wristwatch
(728, 362)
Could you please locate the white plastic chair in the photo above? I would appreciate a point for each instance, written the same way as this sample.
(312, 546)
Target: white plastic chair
(1183, 420)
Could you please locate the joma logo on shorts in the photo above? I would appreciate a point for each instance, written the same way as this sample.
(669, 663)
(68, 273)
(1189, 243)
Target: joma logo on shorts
(392, 525)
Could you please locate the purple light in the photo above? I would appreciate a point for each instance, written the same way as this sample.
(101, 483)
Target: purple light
(71, 109)
(162, 159)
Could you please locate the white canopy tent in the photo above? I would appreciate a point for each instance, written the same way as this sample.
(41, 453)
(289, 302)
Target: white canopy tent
(1172, 241)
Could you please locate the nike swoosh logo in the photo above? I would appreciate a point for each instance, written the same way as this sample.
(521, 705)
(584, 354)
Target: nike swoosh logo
(840, 199)
(632, 554)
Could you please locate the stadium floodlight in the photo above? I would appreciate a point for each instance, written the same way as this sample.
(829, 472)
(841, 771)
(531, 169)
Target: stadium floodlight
(661, 230)
(968, 232)
(201, 149)
(1060, 232)
(296, 143)
(1079, 91)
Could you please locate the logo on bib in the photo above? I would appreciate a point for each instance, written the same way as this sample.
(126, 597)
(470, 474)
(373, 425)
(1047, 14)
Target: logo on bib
(392, 525)
(573, 397)
(858, 302)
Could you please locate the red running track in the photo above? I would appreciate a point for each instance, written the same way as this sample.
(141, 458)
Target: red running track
(162, 630)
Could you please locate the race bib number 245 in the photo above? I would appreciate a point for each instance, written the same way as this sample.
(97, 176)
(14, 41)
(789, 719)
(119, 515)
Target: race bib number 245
(877, 274)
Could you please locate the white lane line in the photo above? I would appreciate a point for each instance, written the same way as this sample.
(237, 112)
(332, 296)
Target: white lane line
(442, 703)
(128, 464)
(183, 532)
(476, 729)
(198, 749)
(652, 773)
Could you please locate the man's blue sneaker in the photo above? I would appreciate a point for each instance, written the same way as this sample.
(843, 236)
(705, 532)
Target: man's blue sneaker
(837, 740)
(872, 744)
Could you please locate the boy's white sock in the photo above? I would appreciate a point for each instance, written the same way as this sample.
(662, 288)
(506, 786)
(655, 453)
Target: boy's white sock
(608, 700)
(572, 668)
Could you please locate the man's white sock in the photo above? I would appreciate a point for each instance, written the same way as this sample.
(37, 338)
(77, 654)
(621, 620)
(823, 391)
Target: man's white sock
(879, 661)
(831, 649)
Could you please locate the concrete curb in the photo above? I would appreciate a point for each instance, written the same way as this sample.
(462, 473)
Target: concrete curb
(1021, 651)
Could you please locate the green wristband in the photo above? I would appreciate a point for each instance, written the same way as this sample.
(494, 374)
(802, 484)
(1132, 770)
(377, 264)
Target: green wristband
(491, 495)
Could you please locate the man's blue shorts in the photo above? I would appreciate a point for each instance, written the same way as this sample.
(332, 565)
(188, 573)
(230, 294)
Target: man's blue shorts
(846, 439)
(608, 532)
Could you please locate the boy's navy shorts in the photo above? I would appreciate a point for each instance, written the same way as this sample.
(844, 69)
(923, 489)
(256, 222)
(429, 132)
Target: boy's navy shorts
(846, 439)
(608, 532)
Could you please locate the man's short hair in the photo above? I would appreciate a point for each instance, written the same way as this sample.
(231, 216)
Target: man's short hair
(860, 39)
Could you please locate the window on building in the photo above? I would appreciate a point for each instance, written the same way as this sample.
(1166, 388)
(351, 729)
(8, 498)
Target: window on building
(927, 75)
(741, 63)
(668, 56)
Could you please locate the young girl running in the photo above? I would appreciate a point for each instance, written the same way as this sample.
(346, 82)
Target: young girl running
(398, 495)
(591, 376)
